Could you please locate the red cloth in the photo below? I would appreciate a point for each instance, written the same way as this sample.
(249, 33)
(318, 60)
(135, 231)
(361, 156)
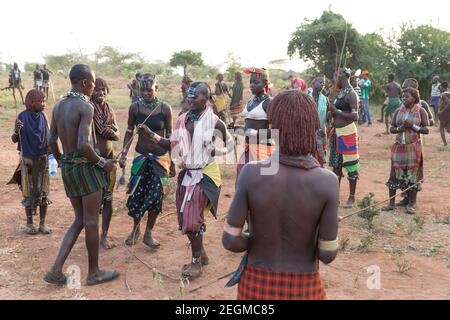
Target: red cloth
(260, 284)
(192, 218)
(299, 84)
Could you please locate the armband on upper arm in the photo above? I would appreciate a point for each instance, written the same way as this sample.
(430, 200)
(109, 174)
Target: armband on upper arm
(86, 139)
(329, 245)
(232, 231)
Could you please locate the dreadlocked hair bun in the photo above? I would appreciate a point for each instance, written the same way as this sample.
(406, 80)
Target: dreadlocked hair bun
(33, 96)
(295, 115)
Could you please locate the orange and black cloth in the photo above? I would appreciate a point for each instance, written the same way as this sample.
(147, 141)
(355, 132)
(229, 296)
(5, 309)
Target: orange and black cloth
(261, 284)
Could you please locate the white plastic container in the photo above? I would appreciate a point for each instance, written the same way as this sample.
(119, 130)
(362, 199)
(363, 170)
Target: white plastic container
(52, 165)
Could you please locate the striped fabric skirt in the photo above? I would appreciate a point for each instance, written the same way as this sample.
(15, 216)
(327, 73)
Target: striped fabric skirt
(80, 176)
(33, 180)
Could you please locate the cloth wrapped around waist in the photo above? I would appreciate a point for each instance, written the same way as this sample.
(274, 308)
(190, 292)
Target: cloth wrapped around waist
(257, 283)
(80, 176)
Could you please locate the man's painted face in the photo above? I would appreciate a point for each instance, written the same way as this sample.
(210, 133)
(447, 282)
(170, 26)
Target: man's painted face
(257, 86)
(100, 94)
(197, 98)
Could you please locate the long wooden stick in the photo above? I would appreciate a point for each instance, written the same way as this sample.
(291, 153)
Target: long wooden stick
(211, 282)
(149, 266)
(381, 202)
(132, 137)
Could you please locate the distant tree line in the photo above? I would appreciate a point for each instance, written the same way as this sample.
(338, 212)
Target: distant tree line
(415, 51)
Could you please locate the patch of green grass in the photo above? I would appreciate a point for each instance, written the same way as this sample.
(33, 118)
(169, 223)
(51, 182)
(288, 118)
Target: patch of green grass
(433, 250)
(344, 242)
(370, 213)
(419, 221)
(365, 243)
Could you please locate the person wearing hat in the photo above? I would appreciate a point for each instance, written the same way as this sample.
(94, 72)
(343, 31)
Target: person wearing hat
(365, 84)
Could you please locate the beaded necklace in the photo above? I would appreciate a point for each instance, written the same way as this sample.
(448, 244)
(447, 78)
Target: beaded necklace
(152, 104)
(77, 95)
(344, 92)
(194, 115)
(257, 99)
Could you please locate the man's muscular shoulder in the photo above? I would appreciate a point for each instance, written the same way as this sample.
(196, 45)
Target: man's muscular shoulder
(325, 180)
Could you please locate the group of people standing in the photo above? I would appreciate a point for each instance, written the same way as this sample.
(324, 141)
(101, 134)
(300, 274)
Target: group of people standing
(267, 210)
(41, 80)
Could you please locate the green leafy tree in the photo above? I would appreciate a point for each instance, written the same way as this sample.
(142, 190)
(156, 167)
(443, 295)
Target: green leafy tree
(185, 59)
(62, 63)
(326, 42)
(422, 52)
(112, 61)
(375, 55)
(234, 65)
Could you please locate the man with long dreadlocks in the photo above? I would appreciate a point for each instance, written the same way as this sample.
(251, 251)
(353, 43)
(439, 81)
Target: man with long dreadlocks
(344, 134)
(193, 145)
(106, 131)
(32, 176)
(82, 171)
(258, 142)
(291, 215)
(151, 164)
(322, 108)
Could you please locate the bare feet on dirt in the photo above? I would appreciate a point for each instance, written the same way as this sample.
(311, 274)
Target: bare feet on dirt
(107, 242)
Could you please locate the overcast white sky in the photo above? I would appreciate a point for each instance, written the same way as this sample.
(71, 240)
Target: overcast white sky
(256, 30)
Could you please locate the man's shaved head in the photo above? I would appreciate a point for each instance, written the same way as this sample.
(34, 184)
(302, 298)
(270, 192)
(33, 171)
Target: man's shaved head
(202, 88)
(80, 72)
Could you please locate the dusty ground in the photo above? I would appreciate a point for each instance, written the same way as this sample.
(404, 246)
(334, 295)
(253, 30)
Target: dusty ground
(411, 252)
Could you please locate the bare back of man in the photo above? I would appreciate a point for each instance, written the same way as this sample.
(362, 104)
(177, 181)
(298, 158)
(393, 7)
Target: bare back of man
(298, 203)
(393, 92)
(72, 123)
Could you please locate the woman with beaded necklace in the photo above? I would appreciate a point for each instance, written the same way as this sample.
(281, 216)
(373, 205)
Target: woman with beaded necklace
(256, 131)
(409, 123)
(151, 164)
(344, 134)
